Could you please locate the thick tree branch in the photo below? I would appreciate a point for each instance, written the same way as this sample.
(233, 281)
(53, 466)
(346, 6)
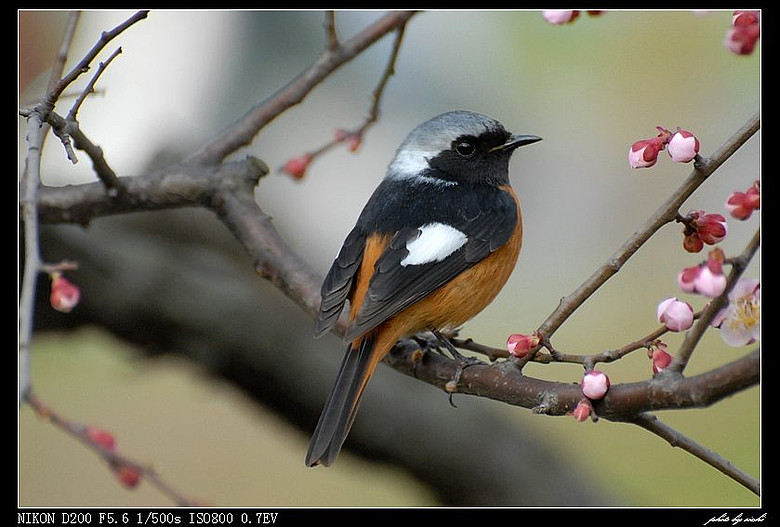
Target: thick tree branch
(504, 382)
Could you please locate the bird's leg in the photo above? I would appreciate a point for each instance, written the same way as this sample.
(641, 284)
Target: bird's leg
(462, 359)
(463, 363)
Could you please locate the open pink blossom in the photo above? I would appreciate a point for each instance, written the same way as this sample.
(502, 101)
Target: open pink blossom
(740, 321)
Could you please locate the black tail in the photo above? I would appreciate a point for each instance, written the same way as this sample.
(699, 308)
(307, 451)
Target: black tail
(339, 412)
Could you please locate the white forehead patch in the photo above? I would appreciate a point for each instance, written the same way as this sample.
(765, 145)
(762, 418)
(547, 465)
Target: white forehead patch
(410, 162)
(435, 243)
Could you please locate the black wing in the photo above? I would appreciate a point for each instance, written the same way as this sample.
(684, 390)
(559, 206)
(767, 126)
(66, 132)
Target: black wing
(488, 225)
(338, 281)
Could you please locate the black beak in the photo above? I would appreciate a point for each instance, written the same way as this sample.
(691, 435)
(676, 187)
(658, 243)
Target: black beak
(517, 141)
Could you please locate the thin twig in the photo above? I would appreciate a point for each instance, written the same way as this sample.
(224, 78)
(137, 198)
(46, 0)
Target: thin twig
(666, 213)
(71, 129)
(112, 457)
(354, 137)
(244, 130)
(62, 54)
(105, 37)
(90, 86)
(652, 424)
(330, 30)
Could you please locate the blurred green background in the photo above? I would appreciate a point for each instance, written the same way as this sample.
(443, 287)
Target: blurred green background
(589, 89)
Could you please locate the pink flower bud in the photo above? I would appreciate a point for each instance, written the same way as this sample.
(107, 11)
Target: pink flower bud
(675, 314)
(686, 279)
(644, 153)
(661, 360)
(740, 320)
(583, 410)
(355, 140)
(745, 30)
(683, 146)
(297, 166)
(64, 295)
(711, 281)
(594, 384)
(519, 345)
(560, 16)
(742, 204)
(745, 18)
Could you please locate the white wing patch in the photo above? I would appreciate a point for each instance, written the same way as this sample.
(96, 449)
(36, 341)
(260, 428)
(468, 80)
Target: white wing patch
(435, 243)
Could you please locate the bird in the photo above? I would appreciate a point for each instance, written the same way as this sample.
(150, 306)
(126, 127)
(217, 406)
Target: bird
(433, 246)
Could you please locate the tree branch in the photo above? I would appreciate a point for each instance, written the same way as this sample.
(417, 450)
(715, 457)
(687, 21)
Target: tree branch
(244, 130)
(666, 213)
(652, 424)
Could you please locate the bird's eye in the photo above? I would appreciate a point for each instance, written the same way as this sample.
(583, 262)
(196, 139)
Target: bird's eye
(465, 149)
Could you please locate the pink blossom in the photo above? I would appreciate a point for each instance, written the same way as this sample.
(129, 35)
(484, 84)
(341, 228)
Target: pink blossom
(675, 314)
(740, 321)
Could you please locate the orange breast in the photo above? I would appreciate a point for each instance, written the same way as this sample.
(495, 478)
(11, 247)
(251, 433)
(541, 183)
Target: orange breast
(452, 304)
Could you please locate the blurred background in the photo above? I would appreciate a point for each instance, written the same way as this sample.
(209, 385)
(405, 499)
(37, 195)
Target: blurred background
(590, 89)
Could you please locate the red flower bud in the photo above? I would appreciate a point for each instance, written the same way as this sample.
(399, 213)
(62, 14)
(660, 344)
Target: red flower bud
(519, 345)
(742, 204)
(64, 295)
(583, 410)
(661, 360)
(128, 476)
(745, 30)
(102, 438)
(297, 166)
